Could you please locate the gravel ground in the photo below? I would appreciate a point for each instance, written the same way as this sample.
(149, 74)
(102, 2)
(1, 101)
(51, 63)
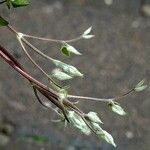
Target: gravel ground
(112, 62)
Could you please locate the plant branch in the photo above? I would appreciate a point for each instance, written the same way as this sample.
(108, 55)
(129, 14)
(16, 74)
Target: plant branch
(20, 39)
(49, 58)
(28, 43)
(32, 46)
(36, 49)
(42, 103)
(38, 98)
(47, 92)
(24, 49)
(90, 98)
(15, 64)
(102, 99)
(52, 40)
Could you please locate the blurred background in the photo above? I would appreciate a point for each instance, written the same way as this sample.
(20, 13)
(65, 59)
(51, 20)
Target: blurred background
(112, 62)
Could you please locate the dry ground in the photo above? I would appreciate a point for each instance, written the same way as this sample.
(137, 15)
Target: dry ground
(112, 62)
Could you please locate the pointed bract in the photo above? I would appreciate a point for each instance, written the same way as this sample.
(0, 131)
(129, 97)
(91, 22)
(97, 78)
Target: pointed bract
(88, 36)
(70, 70)
(66, 49)
(115, 106)
(92, 116)
(140, 86)
(78, 122)
(72, 49)
(60, 75)
(87, 31)
(140, 83)
(107, 137)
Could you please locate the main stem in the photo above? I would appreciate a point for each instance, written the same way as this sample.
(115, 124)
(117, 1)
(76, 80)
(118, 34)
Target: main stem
(13, 63)
(41, 87)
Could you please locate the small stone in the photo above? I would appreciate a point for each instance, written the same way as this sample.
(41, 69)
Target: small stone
(58, 5)
(135, 24)
(71, 148)
(145, 9)
(129, 134)
(4, 139)
(108, 2)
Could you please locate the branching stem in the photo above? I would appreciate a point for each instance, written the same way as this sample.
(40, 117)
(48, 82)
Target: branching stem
(20, 39)
(91, 98)
(102, 99)
(52, 40)
(24, 49)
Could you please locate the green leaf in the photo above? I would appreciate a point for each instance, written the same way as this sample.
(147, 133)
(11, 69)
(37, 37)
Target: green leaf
(19, 3)
(140, 86)
(92, 116)
(67, 49)
(60, 75)
(115, 106)
(3, 22)
(70, 70)
(106, 136)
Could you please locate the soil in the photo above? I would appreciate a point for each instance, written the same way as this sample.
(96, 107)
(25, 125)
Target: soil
(113, 61)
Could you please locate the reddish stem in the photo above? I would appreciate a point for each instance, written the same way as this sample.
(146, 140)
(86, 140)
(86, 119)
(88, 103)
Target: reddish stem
(17, 66)
(47, 92)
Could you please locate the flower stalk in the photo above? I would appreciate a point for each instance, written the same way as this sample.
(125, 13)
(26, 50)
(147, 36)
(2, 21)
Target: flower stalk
(57, 94)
